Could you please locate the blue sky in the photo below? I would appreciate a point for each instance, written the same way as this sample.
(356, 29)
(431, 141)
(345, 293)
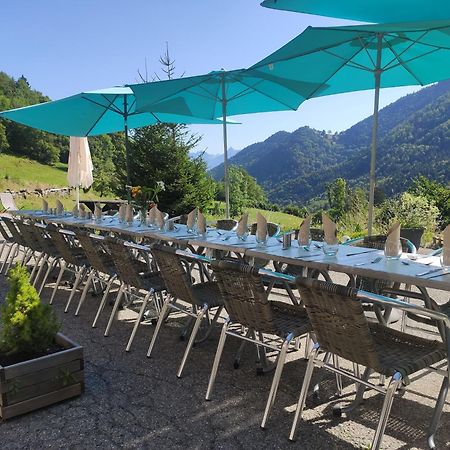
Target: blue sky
(64, 47)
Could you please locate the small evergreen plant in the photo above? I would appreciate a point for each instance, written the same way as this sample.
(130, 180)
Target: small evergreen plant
(27, 325)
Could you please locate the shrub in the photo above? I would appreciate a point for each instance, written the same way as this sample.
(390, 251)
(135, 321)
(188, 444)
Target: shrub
(411, 211)
(28, 326)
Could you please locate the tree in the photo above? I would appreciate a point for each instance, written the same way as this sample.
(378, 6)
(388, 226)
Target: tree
(337, 193)
(4, 145)
(161, 153)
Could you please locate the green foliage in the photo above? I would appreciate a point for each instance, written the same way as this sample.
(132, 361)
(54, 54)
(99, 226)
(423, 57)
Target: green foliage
(299, 211)
(161, 153)
(244, 191)
(28, 326)
(4, 145)
(337, 193)
(412, 212)
(436, 193)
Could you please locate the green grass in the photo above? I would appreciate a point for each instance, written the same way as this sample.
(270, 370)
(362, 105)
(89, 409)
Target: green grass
(22, 173)
(286, 221)
(18, 174)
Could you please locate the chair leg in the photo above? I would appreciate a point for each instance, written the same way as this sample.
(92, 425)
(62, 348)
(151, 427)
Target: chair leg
(11, 257)
(194, 332)
(305, 387)
(138, 319)
(39, 261)
(78, 279)
(62, 268)
(47, 273)
(221, 344)
(338, 376)
(396, 380)
(437, 412)
(104, 299)
(8, 252)
(85, 290)
(360, 389)
(161, 318)
(114, 310)
(276, 379)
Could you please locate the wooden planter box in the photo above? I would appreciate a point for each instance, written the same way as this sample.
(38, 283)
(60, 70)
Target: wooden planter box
(40, 382)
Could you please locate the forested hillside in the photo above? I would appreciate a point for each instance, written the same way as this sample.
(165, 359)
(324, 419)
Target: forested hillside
(414, 139)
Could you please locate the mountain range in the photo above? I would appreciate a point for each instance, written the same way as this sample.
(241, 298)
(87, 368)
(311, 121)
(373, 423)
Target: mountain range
(413, 140)
(213, 160)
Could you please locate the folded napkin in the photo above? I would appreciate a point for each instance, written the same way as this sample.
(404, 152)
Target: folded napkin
(192, 216)
(129, 215)
(152, 215)
(304, 233)
(82, 211)
(242, 227)
(44, 205)
(391, 247)
(261, 227)
(97, 212)
(201, 223)
(75, 211)
(122, 212)
(446, 247)
(159, 218)
(59, 207)
(329, 229)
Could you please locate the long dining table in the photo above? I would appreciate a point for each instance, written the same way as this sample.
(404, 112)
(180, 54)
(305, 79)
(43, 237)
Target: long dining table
(422, 271)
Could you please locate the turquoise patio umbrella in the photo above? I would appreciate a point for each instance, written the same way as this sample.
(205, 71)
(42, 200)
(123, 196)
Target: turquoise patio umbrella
(346, 59)
(92, 113)
(223, 94)
(368, 10)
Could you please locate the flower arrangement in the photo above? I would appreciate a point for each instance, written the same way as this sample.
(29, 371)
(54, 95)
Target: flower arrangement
(145, 197)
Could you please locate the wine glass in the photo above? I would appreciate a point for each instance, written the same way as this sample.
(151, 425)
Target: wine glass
(304, 241)
(445, 260)
(330, 249)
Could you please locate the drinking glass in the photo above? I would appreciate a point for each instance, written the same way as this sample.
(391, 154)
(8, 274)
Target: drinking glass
(445, 261)
(330, 249)
(393, 250)
(304, 241)
(242, 236)
(261, 241)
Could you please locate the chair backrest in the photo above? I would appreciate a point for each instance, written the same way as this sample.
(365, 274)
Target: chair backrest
(29, 236)
(378, 241)
(62, 245)
(4, 231)
(244, 295)
(96, 254)
(226, 224)
(338, 321)
(273, 229)
(174, 273)
(11, 225)
(127, 266)
(7, 201)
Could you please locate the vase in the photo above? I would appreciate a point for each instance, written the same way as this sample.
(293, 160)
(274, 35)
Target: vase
(143, 216)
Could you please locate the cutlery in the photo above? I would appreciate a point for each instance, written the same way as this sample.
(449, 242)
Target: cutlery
(374, 261)
(362, 253)
(421, 274)
(309, 256)
(438, 275)
(406, 263)
(317, 245)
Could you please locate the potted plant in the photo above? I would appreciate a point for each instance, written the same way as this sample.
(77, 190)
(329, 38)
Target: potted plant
(38, 365)
(144, 198)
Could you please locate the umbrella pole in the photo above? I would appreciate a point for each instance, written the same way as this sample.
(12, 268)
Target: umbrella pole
(78, 196)
(373, 154)
(127, 153)
(225, 151)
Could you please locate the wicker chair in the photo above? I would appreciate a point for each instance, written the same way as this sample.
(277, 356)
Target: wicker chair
(7, 242)
(201, 296)
(19, 244)
(273, 229)
(227, 224)
(337, 316)
(375, 285)
(247, 304)
(7, 201)
(101, 269)
(132, 272)
(72, 259)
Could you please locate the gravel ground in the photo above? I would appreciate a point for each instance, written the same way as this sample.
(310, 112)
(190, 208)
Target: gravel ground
(134, 402)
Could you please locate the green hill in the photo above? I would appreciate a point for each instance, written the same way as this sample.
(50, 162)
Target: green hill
(414, 139)
(21, 173)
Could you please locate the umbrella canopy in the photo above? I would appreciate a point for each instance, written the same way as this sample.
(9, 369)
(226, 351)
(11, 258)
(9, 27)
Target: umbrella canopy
(79, 172)
(345, 59)
(93, 113)
(369, 10)
(222, 94)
